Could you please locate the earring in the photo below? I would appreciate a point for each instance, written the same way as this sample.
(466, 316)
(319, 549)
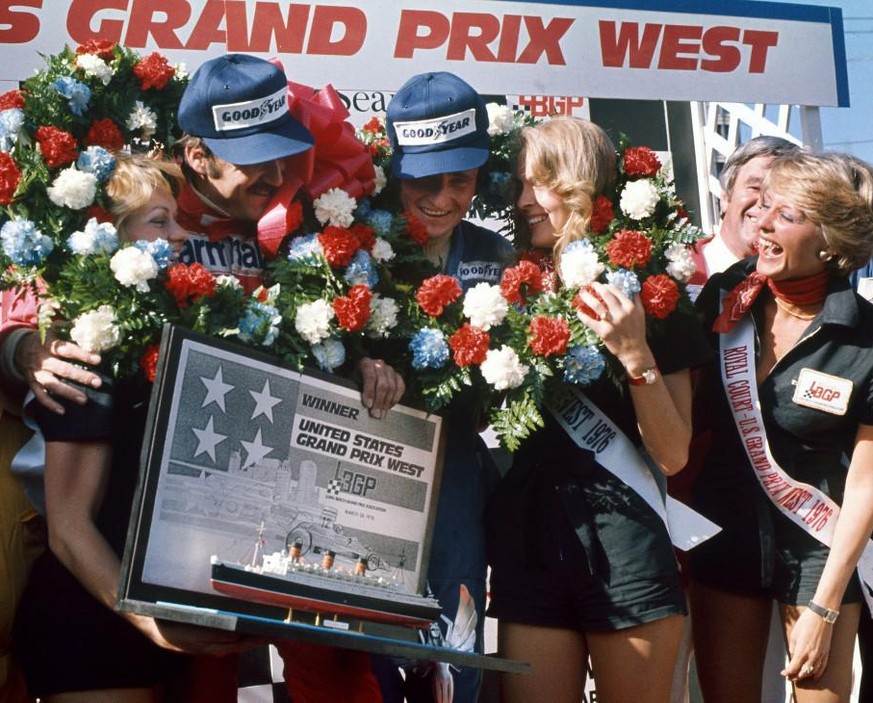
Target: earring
(824, 256)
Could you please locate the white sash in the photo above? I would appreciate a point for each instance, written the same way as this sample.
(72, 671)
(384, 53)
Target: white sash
(806, 506)
(591, 429)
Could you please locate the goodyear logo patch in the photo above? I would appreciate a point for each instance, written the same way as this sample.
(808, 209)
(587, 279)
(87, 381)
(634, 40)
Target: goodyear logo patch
(437, 131)
(251, 113)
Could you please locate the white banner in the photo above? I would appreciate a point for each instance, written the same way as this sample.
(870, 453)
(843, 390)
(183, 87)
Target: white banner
(674, 49)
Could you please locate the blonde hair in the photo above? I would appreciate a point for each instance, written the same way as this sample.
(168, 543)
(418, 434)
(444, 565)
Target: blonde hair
(577, 160)
(835, 192)
(135, 178)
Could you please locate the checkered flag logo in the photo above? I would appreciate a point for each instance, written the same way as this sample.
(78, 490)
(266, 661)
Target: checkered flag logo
(333, 487)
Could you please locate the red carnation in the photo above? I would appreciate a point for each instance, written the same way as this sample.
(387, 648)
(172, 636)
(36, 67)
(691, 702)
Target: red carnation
(188, 283)
(353, 310)
(103, 48)
(377, 145)
(154, 71)
(416, 229)
(660, 295)
(469, 345)
(641, 161)
(436, 292)
(339, 245)
(105, 133)
(10, 175)
(365, 235)
(148, 362)
(630, 249)
(373, 126)
(11, 99)
(58, 147)
(602, 214)
(98, 213)
(549, 336)
(521, 281)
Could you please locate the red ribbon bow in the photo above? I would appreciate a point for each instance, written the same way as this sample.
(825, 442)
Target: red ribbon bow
(337, 160)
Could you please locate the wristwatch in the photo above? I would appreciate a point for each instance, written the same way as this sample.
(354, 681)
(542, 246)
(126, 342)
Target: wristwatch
(827, 614)
(648, 377)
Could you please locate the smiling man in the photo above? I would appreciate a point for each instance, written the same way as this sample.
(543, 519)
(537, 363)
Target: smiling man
(438, 129)
(238, 138)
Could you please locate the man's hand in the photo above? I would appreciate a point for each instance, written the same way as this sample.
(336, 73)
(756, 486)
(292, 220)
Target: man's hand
(381, 386)
(45, 369)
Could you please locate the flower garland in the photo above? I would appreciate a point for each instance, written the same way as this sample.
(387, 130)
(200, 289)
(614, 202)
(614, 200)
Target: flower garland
(513, 340)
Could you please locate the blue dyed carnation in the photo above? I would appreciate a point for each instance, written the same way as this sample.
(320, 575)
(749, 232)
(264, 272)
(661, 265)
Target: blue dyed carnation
(626, 281)
(260, 323)
(429, 349)
(23, 243)
(11, 122)
(330, 354)
(78, 94)
(97, 237)
(305, 250)
(363, 209)
(583, 365)
(380, 221)
(160, 249)
(582, 244)
(96, 160)
(361, 270)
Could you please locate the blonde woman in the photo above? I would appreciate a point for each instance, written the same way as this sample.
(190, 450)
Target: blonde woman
(581, 565)
(796, 508)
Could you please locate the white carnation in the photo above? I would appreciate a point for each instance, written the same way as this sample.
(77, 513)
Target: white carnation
(381, 180)
(312, 321)
(335, 207)
(134, 267)
(73, 189)
(383, 316)
(225, 281)
(579, 264)
(181, 69)
(382, 250)
(93, 65)
(639, 198)
(96, 331)
(500, 120)
(681, 264)
(485, 305)
(503, 369)
(142, 118)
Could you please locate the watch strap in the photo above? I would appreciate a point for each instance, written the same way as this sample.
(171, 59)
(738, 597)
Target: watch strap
(827, 614)
(647, 378)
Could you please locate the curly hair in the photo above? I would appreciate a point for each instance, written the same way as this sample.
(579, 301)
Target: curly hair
(835, 192)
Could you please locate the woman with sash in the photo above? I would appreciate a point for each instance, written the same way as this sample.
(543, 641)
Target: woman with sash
(582, 565)
(790, 403)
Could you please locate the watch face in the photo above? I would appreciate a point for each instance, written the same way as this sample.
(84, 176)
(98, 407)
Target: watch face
(650, 376)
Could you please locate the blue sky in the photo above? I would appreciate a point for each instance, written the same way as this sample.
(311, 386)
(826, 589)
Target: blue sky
(851, 129)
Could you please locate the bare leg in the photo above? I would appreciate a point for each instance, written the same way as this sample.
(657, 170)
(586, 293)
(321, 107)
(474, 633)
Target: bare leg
(558, 658)
(636, 664)
(835, 683)
(730, 642)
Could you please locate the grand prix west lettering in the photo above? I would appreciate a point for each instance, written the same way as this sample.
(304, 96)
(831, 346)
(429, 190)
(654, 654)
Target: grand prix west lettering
(684, 47)
(342, 30)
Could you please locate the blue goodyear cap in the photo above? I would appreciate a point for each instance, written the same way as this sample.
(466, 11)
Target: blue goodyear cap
(238, 105)
(437, 123)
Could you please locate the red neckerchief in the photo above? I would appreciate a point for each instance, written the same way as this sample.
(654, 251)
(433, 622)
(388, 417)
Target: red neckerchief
(195, 215)
(804, 291)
